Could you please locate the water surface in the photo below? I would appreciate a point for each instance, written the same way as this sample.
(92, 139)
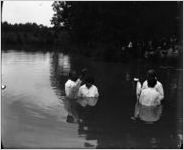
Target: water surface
(34, 109)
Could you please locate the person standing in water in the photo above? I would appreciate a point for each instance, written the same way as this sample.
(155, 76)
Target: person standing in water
(151, 75)
(71, 85)
(71, 89)
(88, 93)
(87, 98)
(149, 96)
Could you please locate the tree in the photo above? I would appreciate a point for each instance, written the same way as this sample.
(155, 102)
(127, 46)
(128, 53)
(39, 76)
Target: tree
(61, 16)
(1, 9)
(112, 21)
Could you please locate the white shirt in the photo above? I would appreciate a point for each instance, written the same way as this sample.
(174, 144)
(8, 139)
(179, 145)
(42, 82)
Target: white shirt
(85, 92)
(158, 87)
(71, 88)
(149, 97)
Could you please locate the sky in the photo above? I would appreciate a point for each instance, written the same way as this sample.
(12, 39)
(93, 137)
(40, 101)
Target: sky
(39, 12)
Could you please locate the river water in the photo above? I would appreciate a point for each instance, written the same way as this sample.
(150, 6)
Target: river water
(34, 113)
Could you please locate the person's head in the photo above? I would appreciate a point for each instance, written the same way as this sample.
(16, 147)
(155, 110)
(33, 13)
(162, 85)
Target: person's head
(151, 74)
(73, 76)
(152, 82)
(84, 71)
(89, 81)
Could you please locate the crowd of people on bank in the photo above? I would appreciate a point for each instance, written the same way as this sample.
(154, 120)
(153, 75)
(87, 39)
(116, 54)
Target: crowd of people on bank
(163, 48)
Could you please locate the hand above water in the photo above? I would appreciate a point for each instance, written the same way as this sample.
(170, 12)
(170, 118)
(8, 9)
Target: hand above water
(136, 79)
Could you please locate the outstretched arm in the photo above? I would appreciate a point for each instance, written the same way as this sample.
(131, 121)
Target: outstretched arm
(138, 89)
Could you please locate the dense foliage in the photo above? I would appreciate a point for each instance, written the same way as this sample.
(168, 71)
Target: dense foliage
(103, 29)
(30, 34)
(108, 21)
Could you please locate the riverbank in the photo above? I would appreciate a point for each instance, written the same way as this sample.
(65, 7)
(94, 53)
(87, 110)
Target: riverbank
(106, 53)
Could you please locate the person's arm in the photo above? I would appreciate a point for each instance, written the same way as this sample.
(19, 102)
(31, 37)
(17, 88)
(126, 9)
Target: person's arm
(78, 83)
(76, 87)
(96, 93)
(145, 85)
(160, 90)
(79, 94)
(157, 99)
(138, 89)
(141, 97)
(67, 90)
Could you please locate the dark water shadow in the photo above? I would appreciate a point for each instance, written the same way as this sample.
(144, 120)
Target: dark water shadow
(108, 123)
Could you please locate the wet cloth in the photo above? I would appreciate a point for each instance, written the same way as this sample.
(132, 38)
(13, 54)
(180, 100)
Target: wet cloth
(148, 113)
(158, 87)
(149, 97)
(71, 88)
(88, 96)
(85, 92)
(91, 101)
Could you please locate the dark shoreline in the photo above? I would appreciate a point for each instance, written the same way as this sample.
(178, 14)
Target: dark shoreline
(97, 55)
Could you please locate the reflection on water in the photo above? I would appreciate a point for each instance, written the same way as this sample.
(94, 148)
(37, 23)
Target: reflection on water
(148, 114)
(87, 101)
(32, 114)
(35, 111)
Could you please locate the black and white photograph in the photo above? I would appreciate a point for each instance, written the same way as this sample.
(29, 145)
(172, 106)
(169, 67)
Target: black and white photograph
(91, 74)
